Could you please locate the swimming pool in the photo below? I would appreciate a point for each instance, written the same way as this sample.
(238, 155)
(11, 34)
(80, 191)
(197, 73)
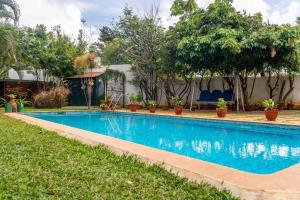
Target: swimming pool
(250, 147)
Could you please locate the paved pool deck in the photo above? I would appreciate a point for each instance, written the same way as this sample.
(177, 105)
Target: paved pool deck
(288, 117)
(282, 185)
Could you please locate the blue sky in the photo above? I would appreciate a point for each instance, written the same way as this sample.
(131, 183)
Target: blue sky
(101, 12)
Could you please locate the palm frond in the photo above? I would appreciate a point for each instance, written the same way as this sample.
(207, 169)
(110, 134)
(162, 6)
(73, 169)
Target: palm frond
(9, 9)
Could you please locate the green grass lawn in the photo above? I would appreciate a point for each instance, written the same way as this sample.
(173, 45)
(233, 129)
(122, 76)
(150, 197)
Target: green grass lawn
(38, 164)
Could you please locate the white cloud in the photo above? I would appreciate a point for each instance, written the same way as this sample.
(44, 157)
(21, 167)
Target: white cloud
(68, 13)
(285, 13)
(51, 13)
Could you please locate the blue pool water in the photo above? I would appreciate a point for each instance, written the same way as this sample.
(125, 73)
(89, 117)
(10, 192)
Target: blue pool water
(250, 147)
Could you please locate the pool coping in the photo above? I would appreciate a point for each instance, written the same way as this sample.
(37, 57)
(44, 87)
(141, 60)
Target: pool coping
(284, 184)
(206, 118)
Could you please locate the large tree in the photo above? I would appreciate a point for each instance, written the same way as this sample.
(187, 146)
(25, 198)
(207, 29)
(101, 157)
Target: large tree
(137, 42)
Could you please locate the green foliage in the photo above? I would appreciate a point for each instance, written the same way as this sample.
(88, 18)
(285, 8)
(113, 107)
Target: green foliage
(113, 53)
(181, 7)
(135, 98)
(221, 103)
(51, 51)
(269, 104)
(108, 34)
(152, 103)
(7, 48)
(81, 43)
(136, 41)
(102, 105)
(177, 101)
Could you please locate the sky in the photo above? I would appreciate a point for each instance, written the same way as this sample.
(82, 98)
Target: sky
(97, 13)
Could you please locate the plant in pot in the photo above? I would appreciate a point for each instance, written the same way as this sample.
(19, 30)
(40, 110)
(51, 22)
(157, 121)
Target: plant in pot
(108, 100)
(104, 106)
(114, 105)
(249, 105)
(134, 102)
(12, 102)
(152, 106)
(7, 105)
(221, 108)
(178, 108)
(271, 111)
(21, 104)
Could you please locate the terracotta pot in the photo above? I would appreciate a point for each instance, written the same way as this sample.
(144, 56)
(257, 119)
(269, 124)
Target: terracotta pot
(165, 107)
(178, 110)
(221, 112)
(272, 114)
(133, 107)
(105, 108)
(152, 109)
(114, 107)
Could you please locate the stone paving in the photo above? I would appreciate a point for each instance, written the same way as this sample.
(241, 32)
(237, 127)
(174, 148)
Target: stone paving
(285, 117)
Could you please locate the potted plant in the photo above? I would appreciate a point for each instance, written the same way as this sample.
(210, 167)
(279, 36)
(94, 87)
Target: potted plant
(249, 105)
(134, 102)
(221, 108)
(7, 106)
(104, 106)
(114, 105)
(271, 110)
(108, 100)
(152, 106)
(178, 108)
(12, 102)
(20, 104)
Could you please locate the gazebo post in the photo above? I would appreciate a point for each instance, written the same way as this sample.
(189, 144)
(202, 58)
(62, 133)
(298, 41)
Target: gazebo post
(192, 98)
(237, 94)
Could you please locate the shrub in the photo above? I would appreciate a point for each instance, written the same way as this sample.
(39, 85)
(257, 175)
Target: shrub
(177, 101)
(138, 98)
(269, 104)
(221, 103)
(152, 103)
(54, 98)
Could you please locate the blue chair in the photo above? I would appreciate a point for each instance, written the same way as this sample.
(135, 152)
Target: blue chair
(205, 96)
(228, 95)
(215, 95)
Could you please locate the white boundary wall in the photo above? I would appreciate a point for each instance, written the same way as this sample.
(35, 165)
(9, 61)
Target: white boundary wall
(260, 91)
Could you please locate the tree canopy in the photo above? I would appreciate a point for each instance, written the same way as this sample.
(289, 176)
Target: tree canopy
(217, 40)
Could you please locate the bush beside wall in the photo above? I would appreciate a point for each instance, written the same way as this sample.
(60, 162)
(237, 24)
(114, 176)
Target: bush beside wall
(54, 98)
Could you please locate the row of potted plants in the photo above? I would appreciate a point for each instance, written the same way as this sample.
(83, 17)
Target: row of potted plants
(11, 104)
(257, 105)
(271, 110)
(178, 108)
(135, 101)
